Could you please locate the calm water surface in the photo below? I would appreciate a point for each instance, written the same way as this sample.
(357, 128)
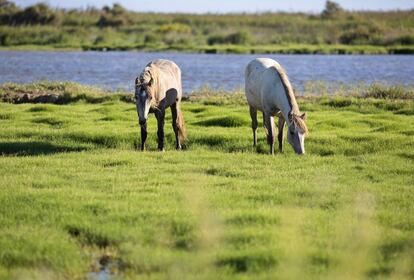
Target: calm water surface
(117, 70)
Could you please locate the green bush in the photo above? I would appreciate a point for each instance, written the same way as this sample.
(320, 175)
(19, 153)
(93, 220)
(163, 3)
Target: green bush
(388, 92)
(175, 28)
(332, 10)
(358, 35)
(113, 17)
(151, 38)
(7, 12)
(37, 14)
(403, 40)
(238, 38)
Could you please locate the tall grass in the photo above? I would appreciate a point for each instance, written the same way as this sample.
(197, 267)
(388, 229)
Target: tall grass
(77, 197)
(116, 28)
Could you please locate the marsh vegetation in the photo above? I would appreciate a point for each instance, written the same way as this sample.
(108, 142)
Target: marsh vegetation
(76, 192)
(334, 30)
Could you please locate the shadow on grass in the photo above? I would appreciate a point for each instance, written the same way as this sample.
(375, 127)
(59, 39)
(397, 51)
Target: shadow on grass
(89, 236)
(229, 121)
(409, 156)
(245, 262)
(34, 148)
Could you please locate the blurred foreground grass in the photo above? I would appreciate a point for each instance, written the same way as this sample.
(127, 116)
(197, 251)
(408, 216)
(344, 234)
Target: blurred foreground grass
(77, 196)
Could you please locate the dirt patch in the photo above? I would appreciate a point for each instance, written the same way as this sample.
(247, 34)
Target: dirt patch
(18, 98)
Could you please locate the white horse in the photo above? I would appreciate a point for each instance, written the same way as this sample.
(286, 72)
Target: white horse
(157, 88)
(268, 89)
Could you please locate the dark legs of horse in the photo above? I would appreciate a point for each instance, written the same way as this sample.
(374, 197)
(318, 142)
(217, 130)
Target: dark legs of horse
(143, 136)
(281, 125)
(174, 114)
(253, 115)
(270, 126)
(160, 115)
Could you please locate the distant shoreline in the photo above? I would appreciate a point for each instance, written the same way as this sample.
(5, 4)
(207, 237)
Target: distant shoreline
(230, 49)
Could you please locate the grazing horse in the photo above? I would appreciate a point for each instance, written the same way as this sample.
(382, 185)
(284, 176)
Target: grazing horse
(157, 88)
(268, 89)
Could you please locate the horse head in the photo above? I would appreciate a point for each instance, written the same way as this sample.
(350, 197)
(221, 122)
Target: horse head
(297, 132)
(144, 95)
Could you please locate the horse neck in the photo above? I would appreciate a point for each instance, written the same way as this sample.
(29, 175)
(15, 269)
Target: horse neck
(288, 96)
(284, 105)
(286, 111)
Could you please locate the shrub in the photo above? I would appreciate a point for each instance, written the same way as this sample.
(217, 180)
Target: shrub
(37, 14)
(151, 38)
(7, 12)
(238, 38)
(403, 40)
(215, 39)
(111, 21)
(175, 28)
(332, 10)
(388, 92)
(358, 35)
(113, 17)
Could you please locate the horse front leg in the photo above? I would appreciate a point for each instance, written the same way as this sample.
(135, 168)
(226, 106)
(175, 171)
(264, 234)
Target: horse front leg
(270, 126)
(174, 114)
(160, 115)
(281, 126)
(253, 115)
(143, 136)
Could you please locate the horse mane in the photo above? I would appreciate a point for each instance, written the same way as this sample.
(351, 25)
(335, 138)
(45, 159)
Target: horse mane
(150, 76)
(297, 120)
(288, 88)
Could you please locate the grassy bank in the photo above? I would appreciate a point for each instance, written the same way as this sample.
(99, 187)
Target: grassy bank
(334, 30)
(228, 49)
(77, 196)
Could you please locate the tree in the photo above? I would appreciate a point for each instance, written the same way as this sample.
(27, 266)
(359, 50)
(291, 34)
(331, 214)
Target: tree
(332, 10)
(115, 16)
(39, 13)
(7, 11)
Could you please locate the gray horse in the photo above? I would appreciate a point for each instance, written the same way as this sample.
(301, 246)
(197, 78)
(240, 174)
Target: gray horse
(268, 90)
(157, 88)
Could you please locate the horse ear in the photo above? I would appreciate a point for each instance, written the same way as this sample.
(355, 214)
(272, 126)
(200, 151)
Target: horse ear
(304, 116)
(290, 116)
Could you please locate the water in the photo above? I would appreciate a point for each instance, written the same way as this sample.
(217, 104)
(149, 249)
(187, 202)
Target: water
(117, 70)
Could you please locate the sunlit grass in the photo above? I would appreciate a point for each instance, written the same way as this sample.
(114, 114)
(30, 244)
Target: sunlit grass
(76, 192)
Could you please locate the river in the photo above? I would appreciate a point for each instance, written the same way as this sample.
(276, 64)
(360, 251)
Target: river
(117, 70)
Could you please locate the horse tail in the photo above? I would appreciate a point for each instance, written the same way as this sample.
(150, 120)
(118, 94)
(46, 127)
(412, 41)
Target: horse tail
(181, 126)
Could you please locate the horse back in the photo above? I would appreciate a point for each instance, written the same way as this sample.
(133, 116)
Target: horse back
(261, 80)
(169, 76)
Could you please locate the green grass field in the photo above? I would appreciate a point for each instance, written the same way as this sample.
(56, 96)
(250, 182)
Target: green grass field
(77, 196)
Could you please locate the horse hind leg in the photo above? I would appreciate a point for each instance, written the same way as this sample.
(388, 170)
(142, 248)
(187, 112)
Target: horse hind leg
(253, 115)
(143, 136)
(160, 115)
(174, 114)
(270, 126)
(281, 126)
